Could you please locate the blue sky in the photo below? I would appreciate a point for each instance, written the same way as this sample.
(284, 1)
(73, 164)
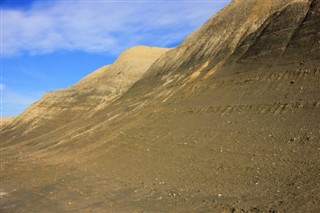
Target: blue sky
(48, 45)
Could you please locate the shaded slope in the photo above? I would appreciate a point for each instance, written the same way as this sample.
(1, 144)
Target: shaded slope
(220, 36)
(219, 124)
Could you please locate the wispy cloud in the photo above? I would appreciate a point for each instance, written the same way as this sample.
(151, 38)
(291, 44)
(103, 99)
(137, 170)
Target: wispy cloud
(100, 26)
(2, 86)
(14, 102)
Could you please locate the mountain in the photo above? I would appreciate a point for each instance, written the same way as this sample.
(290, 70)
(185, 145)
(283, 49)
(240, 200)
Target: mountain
(226, 122)
(87, 96)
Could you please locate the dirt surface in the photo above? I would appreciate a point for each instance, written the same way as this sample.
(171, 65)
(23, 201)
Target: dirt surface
(222, 126)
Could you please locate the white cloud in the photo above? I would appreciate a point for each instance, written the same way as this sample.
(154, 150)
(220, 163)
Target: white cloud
(100, 26)
(14, 102)
(15, 98)
(2, 86)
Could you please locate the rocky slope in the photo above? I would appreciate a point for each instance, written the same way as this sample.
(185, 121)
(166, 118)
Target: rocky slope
(227, 122)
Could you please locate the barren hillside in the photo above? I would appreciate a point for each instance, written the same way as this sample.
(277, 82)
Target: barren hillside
(229, 121)
(83, 99)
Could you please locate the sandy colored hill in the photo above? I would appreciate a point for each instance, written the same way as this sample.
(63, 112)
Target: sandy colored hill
(227, 122)
(5, 121)
(90, 94)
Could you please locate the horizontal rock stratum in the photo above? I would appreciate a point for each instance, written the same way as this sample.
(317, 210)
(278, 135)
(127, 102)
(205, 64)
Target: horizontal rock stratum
(228, 121)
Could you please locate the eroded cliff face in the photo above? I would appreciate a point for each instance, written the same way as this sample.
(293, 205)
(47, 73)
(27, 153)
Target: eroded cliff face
(234, 27)
(264, 33)
(226, 122)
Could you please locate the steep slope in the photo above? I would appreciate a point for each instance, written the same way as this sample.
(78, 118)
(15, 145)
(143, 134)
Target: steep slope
(87, 96)
(227, 122)
(5, 121)
(219, 37)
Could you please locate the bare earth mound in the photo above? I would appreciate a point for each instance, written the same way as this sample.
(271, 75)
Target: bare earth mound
(229, 121)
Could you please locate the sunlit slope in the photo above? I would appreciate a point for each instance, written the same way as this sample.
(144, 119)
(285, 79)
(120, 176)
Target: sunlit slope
(89, 95)
(226, 122)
